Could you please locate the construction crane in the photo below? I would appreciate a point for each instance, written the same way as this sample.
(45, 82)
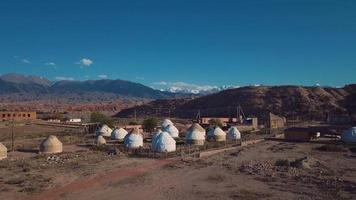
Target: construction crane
(240, 114)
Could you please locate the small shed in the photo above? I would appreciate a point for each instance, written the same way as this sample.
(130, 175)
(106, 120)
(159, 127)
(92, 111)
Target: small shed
(298, 134)
(3, 151)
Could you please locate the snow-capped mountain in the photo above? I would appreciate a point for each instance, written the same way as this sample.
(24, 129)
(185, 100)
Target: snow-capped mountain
(187, 88)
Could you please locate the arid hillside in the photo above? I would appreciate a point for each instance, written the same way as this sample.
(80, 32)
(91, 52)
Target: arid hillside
(290, 101)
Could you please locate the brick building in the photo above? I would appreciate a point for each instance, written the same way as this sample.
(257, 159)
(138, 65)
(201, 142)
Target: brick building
(17, 116)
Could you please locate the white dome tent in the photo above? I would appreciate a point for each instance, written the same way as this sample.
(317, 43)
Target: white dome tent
(104, 130)
(100, 140)
(3, 151)
(164, 142)
(166, 122)
(134, 139)
(233, 134)
(349, 136)
(154, 138)
(51, 145)
(217, 134)
(195, 135)
(172, 130)
(118, 134)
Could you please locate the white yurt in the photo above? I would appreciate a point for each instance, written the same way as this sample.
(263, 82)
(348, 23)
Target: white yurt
(172, 130)
(349, 136)
(233, 134)
(154, 138)
(51, 145)
(100, 140)
(134, 139)
(104, 130)
(118, 134)
(3, 151)
(217, 134)
(166, 122)
(164, 142)
(195, 135)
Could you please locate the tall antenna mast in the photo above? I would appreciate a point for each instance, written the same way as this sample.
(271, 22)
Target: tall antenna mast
(198, 116)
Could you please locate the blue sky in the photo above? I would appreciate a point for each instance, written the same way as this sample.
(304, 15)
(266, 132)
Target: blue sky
(205, 42)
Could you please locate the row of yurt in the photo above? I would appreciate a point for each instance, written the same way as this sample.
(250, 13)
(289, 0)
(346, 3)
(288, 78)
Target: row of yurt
(163, 142)
(196, 134)
(349, 136)
(3, 151)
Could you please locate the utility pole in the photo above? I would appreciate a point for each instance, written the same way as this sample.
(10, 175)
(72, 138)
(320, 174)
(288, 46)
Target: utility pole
(198, 116)
(12, 135)
(135, 116)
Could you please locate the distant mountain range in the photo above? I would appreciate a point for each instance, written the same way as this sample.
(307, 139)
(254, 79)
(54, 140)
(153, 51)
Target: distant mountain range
(12, 84)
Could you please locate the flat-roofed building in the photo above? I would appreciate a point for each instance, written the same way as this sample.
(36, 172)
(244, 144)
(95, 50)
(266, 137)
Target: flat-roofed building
(224, 120)
(17, 116)
(275, 122)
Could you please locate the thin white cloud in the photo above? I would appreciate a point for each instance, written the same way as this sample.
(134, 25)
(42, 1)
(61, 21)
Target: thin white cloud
(85, 62)
(103, 76)
(64, 78)
(50, 64)
(25, 61)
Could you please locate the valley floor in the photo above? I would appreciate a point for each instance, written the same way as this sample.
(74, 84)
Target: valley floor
(268, 170)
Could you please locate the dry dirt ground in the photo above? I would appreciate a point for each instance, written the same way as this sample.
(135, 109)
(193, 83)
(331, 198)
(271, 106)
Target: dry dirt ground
(268, 170)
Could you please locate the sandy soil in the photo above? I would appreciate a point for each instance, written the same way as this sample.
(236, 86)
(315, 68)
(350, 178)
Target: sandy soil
(268, 170)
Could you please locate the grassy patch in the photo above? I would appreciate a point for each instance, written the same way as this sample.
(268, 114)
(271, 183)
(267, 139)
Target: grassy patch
(282, 163)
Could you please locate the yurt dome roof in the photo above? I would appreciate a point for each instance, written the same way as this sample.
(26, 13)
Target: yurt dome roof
(234, 134)
(166, 122)
(3, 151)
(100, 140)
(104, 130)
(197, 127)
(154, 138)
(172, 130)
(134, 139)
(51, 145)
(195, 132)
(216, 131)
(164, 143)
(118, 134)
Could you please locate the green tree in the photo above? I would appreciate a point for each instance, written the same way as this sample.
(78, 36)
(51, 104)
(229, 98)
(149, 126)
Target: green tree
(97, 117)
(133, 123)
(216, 122)
(150, 124)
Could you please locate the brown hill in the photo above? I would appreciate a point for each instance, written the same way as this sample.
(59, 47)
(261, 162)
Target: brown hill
(290, 101)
